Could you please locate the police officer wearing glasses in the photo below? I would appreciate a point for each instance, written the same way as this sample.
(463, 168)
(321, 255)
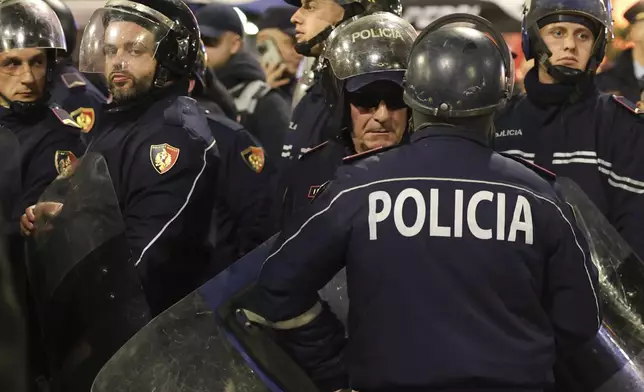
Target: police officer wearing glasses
(366, 84)
(465, 269)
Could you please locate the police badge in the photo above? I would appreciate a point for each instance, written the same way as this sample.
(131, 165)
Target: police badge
(254, 158)
(163, 157)
(63, 162)
(84, 117)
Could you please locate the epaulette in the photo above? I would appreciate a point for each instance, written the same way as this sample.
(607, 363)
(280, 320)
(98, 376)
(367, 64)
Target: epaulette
(73, 79)
(222, 119)
(630, 105)
(310, 150)
(64, 117)
(544, 173)
(365, 154)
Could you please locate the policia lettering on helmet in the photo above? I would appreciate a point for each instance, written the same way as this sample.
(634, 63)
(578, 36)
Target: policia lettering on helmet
(71, 89)
(156, 142)
(367, 86)
(314, 21)
(242, 216)
(566, 124)
(445, 262)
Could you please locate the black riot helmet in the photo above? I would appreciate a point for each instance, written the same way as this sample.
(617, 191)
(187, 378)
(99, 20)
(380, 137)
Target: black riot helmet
(352, 8)
(595, 14)
(168, 28)
(70, 28)
(459, 67)
(365, 49)
(30, 24)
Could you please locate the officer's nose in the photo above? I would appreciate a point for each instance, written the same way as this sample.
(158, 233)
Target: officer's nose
(570, 42)
(382, 113)
(297, 17)
(28, 76)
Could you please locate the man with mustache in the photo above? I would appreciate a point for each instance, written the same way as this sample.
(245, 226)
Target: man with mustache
(565, 124)
(369, 95)
(156, 142)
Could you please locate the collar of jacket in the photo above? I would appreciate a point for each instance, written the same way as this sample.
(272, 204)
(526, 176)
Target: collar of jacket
(447, 130)
(557, 94)
(141, 104)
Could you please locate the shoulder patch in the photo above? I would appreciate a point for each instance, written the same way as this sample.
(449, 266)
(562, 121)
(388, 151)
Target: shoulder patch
(73, 79)
(64, 117)
(63, 162)
(630, 105)
(163, 157)
(365, 154)
(253, 156)
(85, 117)
(544, 173)
(317, 190)
(310, 150)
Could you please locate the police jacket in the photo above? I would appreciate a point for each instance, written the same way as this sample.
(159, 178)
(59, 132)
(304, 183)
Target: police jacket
(308, 123)
(49, 142)
(461, 276)
(161, 155)
(242, 214)
(589, 137)
(620, 79)
(78, 96)
(305, 177)
(268, 116)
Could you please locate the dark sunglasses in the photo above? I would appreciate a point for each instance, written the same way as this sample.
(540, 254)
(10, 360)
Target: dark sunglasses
(210, 41)
(371, 100)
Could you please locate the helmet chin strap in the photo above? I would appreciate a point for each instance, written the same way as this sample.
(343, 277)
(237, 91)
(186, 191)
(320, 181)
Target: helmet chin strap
(561, 73)
(27, 108)
(305, 48)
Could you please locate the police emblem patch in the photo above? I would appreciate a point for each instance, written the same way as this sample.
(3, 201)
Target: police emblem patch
(64, 161)
(163, 157)
(84, 117)
(254, 158)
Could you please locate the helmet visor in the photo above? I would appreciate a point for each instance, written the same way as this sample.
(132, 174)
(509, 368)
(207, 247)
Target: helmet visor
(29, 24)
(120, 39)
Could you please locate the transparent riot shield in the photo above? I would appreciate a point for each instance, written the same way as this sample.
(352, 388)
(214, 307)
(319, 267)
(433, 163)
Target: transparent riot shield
(614, 360)
(88, 296)
(13, 344)
(200, 345)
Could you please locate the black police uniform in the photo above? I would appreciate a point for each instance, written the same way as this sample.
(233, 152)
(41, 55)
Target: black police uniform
(620, 78)
(242, 214)
(308, 175)
(308, 123)
(78, 96)
(595, 140)
(49, 144)
(417, 236)
(160, 154)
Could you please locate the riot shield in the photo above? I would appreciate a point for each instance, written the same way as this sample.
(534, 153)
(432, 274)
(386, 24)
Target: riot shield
(614, 360)
(13, 344)
(88, 296)
(200, 345)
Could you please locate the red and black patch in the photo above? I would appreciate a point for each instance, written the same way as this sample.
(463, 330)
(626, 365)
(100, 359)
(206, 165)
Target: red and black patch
(64, 162)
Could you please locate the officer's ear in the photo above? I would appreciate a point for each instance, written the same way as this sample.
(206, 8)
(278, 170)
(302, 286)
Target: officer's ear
(236, 43)
(191, 86)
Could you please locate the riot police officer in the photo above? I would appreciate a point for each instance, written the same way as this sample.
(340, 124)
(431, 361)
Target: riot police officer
(465, 269)
(159, 150)
(314, 20)
(70, 89)
(366, 84)
(566, 125)
(242, 214)
(49, 138)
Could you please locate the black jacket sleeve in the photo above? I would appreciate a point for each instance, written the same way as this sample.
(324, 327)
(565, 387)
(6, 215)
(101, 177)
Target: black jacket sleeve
(307, 256)
(270, 122)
